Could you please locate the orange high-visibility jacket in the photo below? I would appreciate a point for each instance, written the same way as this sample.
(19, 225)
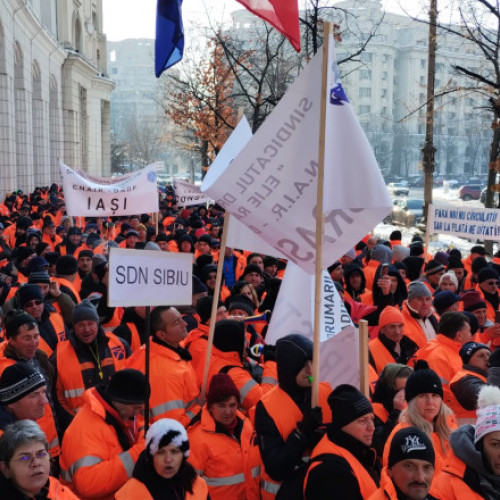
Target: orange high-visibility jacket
(134, 489)
(285, 414)
(250, 390)
(367, 485)
(174, 390)
(70, 386)
(442, 356)
(196, 343)
(230, 468)
(93, 462)
(450, 484)
(458, 409)
(412, 328)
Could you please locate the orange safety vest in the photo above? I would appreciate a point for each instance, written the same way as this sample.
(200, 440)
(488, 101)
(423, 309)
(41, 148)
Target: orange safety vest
(115, 320)
(412, 328)
(68, 284)
(458, 409)
(70, 386)
(380, 411)
(367, 485)
(58, 491)
(134, 489)
(450, 484)
(285, 414)
(135, 338)
(231, 468)
(380, 354)
(386, 490)
(250, 390)
(58, 325)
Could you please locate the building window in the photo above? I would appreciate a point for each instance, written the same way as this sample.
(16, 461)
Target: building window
(365, 74)
(366, 57)
(365, 92)
(384, 93)
(423, 63)
(384, 76)
(364, 109)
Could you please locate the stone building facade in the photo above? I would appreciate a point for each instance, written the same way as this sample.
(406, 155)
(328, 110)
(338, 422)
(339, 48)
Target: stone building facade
(54, 91)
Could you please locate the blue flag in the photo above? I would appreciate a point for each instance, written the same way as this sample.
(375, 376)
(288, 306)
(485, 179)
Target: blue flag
(169, 45)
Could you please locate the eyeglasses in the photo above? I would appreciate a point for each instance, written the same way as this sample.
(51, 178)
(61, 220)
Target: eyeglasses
(32, 303)
(28, 458)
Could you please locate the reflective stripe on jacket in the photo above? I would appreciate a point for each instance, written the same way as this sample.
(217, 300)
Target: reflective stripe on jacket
(174, 390)
(230, 468)
(93, 462)
(70, 385)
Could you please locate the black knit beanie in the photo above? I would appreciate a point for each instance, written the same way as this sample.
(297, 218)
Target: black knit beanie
(66, 265)
(204, 307)
(229, 335)
(18, 381)
(29, 292)
(14, 319)
(411, 443)
(127, 386)
(347, 404)
(423, 380)
(241, 302)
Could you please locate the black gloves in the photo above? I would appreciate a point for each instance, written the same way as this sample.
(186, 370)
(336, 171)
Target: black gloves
(310, 422)
(269, 353)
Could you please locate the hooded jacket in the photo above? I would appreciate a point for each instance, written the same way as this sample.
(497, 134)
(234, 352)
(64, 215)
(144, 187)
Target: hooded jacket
(465, 475)
(279, 411)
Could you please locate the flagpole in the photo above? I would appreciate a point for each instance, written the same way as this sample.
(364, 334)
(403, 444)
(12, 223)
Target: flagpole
(320, 220)
(211, 328)
(364, 383)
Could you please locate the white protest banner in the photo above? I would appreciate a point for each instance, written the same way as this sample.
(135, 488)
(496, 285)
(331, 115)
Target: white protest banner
(294, 313)
(149, 278)
(188, 194)
(271, 185)
(89, 196)
(467, 222)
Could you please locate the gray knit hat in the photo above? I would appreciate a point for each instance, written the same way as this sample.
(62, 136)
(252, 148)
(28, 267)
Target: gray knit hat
(85, 311)
(418, 289)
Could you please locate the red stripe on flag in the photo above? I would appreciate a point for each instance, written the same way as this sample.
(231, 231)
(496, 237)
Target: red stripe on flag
(281, 14)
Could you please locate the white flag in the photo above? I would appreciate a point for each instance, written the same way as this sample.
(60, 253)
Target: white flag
(271, 185)
(294, 313)
(89, 196)
(188, 194)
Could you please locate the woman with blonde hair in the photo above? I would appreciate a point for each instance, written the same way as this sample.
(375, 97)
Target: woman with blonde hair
(427, 411)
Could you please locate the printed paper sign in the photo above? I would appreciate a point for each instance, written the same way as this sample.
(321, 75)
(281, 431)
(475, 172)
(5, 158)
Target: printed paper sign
(188, 194)
(89, 196)
(467, 222)
(149, 278)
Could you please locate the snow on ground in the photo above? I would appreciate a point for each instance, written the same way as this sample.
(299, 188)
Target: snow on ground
(437, 241)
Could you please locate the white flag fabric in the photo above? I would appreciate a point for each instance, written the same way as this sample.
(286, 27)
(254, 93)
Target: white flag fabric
(188, 194)
(271, 185)
(89, 196)
(294, 313)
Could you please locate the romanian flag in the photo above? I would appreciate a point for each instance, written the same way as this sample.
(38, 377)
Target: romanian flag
(282, 14)
(169, 45)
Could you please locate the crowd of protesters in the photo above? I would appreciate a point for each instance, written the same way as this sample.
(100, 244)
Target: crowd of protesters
(73, 384)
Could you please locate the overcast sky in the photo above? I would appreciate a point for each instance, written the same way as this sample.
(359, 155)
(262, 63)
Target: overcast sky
(136, 18)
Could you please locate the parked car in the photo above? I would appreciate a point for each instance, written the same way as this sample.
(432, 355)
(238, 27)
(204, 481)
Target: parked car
(398, 189)
(416, 181)
(406, 211)
(470, 192)
(482, 198)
